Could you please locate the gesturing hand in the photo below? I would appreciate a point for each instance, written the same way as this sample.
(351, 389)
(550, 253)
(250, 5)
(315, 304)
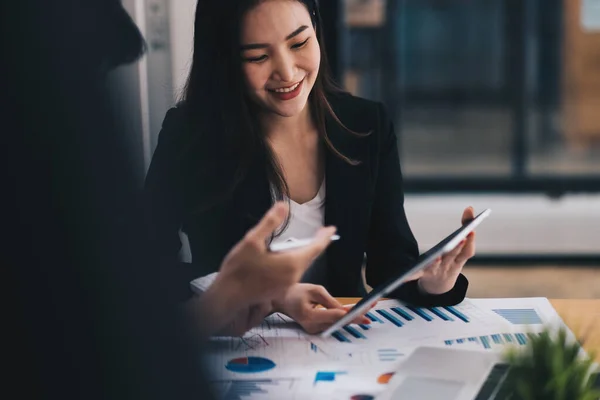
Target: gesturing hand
(251, 277)
(261, 275)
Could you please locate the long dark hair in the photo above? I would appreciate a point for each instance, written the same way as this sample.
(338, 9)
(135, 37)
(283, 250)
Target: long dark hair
(215, 95)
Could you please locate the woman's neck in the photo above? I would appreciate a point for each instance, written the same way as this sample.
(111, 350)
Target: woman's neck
(278, 128)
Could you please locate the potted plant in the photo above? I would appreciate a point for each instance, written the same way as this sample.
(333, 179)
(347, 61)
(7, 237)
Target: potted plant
(551, 367)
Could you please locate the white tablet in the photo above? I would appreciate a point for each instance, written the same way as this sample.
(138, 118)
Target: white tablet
(443, 247)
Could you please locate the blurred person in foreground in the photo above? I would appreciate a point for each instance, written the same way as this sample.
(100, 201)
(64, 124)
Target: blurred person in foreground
(88, 313)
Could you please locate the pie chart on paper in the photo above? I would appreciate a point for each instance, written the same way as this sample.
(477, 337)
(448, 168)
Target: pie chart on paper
(249, 365)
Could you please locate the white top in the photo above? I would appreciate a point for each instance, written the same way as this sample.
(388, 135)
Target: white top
(201, 285)
(306, 219)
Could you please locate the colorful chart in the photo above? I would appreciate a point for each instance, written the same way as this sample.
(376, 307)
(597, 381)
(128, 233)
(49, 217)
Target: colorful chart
(362, 397)
(248, 365)
(400, 317)
(489, 342)
(519, 316)
(327, 376)
(385, 378)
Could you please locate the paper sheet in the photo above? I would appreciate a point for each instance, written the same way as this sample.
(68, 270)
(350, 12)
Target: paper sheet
(277, 360)
(275, 349)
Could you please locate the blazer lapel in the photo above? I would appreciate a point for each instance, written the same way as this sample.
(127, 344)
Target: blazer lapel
(253, 198)
(346, 196)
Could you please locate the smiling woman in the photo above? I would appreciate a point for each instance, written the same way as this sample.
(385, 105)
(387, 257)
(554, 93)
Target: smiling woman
(261, 121)
(280, 66)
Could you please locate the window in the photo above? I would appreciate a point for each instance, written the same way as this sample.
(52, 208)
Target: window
(494, 95)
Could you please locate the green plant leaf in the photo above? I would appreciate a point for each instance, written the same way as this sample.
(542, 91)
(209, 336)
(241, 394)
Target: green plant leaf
(550, 367)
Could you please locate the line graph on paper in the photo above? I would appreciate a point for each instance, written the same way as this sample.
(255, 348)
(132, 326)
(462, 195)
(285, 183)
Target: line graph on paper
(278, 320)
(254, 339)
(252, 342)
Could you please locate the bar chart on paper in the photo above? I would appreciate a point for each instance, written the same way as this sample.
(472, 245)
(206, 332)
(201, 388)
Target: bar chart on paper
(519, 316)
(526, 318)
(495, 341)
(522, 311)
(392, 320)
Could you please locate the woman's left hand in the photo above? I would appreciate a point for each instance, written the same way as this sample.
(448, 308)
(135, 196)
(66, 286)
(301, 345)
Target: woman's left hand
(313, 308)
(441, 276)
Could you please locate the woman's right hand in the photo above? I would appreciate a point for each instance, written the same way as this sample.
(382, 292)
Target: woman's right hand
(313, 307)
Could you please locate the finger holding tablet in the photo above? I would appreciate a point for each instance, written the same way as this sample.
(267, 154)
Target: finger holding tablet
(441, 276)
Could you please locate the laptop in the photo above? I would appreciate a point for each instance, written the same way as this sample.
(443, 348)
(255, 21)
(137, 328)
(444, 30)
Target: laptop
(435, 373)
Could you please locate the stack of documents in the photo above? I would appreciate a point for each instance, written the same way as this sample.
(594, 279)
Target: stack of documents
(278, 360)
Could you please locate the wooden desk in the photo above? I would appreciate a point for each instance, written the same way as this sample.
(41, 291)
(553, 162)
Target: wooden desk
(582, 317)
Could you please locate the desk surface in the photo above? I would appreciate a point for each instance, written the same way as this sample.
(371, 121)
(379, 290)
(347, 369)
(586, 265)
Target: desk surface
(582, 317)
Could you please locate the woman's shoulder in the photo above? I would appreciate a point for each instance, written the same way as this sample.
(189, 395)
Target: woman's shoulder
(180, 131)
(171, 137)
(347, 101)
(180, 146)
(175, 124)
(357, 113)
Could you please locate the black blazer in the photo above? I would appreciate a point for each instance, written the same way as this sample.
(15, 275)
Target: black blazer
(364, 202)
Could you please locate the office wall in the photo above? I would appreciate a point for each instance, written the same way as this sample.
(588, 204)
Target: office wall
(143, 91)
(159, 55)
(181, 29)
(128, 90)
